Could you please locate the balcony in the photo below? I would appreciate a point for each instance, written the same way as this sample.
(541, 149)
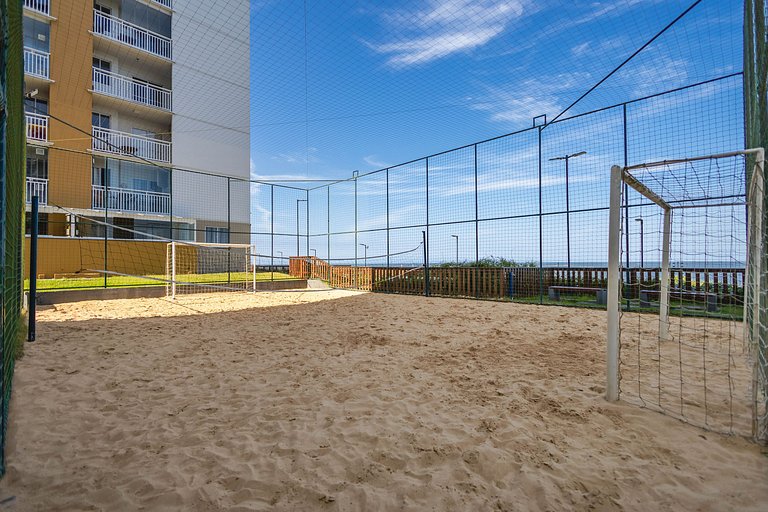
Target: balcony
(37, 63)
(37, 187)
(168, 4)
(132, 35)
(128, 89)
(39, 6)
(121, 143)
(37, 127)
(129, 200)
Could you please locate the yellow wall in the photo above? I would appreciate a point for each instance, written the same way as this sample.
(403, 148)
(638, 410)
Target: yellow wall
(70, 255)
(71, 72)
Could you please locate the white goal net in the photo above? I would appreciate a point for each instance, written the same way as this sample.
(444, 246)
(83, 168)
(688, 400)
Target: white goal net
(201, 268)
(686, 320)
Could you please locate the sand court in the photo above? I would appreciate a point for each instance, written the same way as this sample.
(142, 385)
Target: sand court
(334, 400)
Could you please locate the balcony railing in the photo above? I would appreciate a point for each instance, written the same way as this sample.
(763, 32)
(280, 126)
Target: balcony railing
(121, 143)
(37, 63)
(164, 3)
(129, 200)
(37, 187)
(125, 88)
(37, 127)
(41, 6)
(122, 31)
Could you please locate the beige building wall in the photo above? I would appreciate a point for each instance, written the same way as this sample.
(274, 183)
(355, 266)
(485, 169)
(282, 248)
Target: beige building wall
(71, 65)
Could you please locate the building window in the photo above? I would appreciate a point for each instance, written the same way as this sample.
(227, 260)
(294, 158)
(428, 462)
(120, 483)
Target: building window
(100, 120)
(36, 34)
(215, 235)
(102, 8)
(37, 163)
(42, 223)
(36, 106)
(106, 67)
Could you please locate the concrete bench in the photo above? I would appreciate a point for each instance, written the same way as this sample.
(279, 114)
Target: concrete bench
(710, 299)
(600, 293)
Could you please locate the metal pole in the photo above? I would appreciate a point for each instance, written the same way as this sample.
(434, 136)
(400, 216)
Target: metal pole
(477, 231)
(170, 201)
(614, 288)
(641, 243)
(426, 263)
(298, 248)
(626, 199)
(106, 215)
(229, 230)
(308, 233)
(541, 232)
(426, 234)
(457, 248)
(33, 269)
(567, 219)
(173, 270)
(354, 175)
(272, 232)
(388, 272)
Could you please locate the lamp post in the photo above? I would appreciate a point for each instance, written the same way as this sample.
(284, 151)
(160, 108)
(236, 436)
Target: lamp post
(365, 261)
(641, 240)
(568, 203)
(298, 250)
(314, 252)
(457, 248)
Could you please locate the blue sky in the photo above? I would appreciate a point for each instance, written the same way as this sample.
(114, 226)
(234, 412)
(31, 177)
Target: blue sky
(363, 85)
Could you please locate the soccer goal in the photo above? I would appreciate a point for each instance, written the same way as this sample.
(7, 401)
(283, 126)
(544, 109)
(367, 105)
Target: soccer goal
(686, 290)
(209, 267)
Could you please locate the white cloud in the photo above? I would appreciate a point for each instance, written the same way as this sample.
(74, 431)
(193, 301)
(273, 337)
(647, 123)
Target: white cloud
(445, 28)
(530, 98)
(374, 161)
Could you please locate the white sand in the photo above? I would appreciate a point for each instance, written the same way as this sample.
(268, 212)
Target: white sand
(289, 401)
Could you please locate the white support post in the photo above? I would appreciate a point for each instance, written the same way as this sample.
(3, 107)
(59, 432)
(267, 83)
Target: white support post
(753, 279)
(665, 277)
(173, 270)
(253, 267)
(614, 275)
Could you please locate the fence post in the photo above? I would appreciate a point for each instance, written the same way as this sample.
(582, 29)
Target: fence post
(308, 235)
(477, 231)
(170, 201)
(328, 230)
(106, 216)
(229, 230)
(354, 178)
(426, 263)
(626, 198)
(33, 269)
(541, 228)
(387, 196)
(426, 232)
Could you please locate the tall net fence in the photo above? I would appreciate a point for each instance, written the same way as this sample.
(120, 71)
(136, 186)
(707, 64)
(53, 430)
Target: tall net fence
(521, 217)
(11, 201)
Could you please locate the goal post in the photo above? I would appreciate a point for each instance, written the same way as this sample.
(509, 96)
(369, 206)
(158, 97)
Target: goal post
(194, 267)
(704, 359)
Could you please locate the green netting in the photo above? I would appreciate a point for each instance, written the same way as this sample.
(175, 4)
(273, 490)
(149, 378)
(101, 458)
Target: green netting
(756, 135)
(12, 162)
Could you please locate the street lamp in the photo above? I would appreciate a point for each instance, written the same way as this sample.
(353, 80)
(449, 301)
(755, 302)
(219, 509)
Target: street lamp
(640, 220)
(298, 250)
(568, 202)
(457, 248)
(314, 252)
(365, 261)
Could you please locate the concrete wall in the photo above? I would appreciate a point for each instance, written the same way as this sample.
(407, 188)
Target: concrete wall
(211, 98)
(70, 255)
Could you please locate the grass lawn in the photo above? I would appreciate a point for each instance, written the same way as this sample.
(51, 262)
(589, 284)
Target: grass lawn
(133, 281)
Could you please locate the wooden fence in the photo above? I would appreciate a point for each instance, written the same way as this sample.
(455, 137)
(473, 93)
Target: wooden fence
(514, 282)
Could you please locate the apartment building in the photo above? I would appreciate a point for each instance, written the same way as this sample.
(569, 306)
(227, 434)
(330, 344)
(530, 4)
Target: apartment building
(161, 85)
